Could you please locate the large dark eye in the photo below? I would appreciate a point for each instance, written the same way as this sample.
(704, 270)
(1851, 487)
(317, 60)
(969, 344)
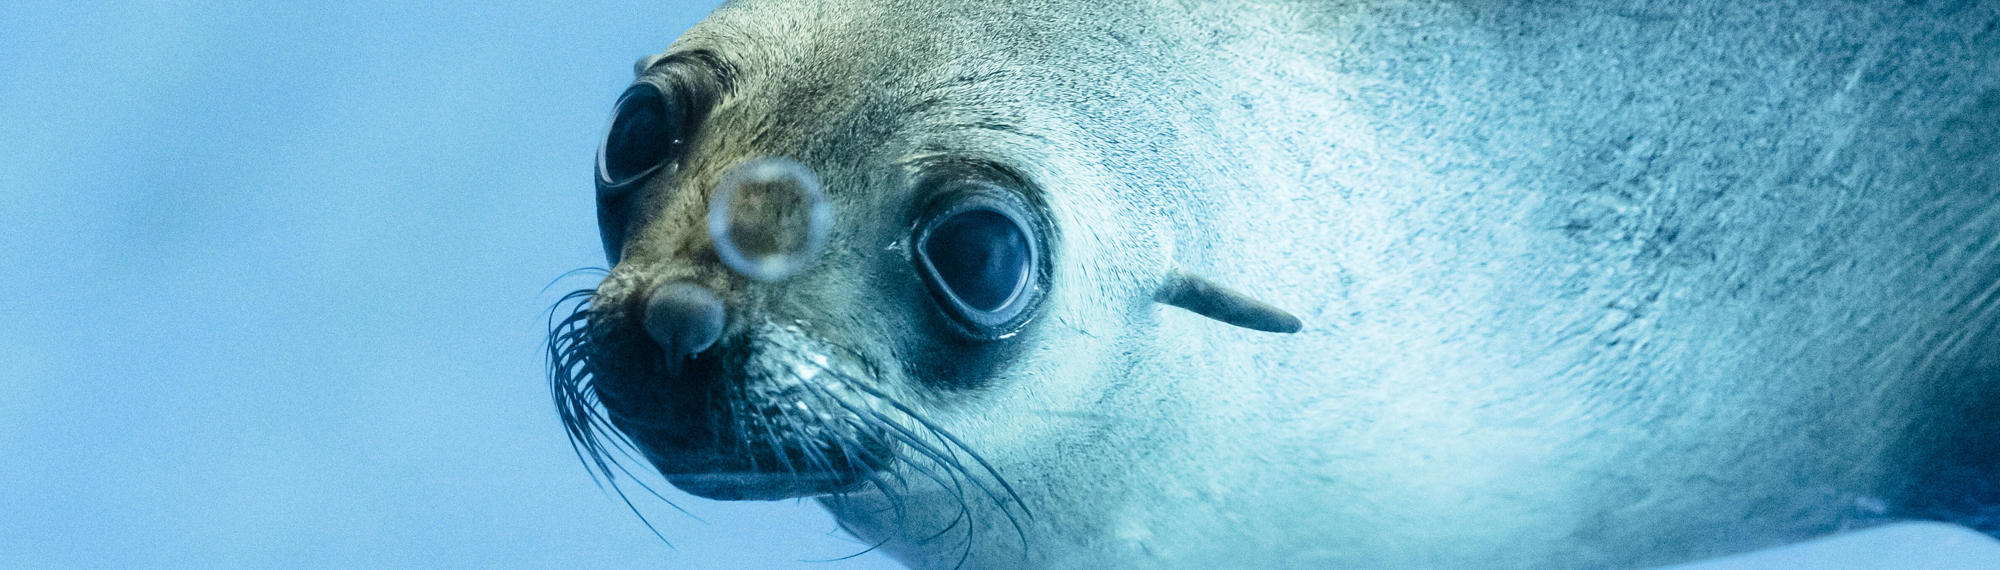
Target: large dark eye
(644, 137)
(643, 134)
(981, 260)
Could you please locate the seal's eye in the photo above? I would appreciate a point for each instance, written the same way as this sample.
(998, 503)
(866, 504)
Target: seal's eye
(980, 259)
(644, 137)
(641, 139)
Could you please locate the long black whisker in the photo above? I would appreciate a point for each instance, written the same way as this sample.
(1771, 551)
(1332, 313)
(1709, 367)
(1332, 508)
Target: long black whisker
(577, 403)
(621, 444)
(951, 464)
(1019, 531)
(813, 457)
(954, 441)
(572, 273)
(772, 439)
(863, 434)
(925, 449)
(739, 428)
(879, 485)
(941, 432)
(942, 459)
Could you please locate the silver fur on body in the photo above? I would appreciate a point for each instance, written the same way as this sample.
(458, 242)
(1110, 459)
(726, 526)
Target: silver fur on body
(1580, 285)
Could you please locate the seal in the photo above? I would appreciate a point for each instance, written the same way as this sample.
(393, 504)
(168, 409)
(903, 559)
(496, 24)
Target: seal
(1028, 283)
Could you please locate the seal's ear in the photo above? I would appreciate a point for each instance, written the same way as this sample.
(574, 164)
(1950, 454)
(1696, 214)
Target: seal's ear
(639, 67)
(1208, 299)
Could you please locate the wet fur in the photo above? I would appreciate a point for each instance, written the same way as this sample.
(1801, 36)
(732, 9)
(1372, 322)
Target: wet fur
(1583, 285)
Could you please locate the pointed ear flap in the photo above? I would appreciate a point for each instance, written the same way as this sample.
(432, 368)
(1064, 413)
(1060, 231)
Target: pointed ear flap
(1208, 299)
(639, 67)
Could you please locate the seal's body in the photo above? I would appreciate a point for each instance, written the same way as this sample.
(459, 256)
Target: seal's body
(1580, 286)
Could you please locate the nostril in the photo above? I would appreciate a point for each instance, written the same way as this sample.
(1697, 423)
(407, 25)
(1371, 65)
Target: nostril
(684, 318)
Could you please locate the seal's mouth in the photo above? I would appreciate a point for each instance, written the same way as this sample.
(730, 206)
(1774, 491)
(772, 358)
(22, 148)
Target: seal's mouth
(772, 430)
(770, 414)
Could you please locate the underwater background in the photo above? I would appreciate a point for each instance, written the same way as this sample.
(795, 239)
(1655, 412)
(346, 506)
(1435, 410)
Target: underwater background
(274, 280)
(272, 283)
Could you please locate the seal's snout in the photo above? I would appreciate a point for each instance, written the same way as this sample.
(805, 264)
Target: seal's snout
(684, 318)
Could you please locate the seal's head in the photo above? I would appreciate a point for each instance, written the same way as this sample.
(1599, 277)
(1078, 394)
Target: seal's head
(766, 335)
(823, 286)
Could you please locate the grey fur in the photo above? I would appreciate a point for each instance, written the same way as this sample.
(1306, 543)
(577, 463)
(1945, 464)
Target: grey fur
(1596, 284)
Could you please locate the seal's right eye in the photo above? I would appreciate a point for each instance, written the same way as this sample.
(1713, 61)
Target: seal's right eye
(643, 136)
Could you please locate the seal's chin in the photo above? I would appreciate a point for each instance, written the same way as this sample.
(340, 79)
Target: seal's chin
(728, 485)
(768, 459)
(763, 436)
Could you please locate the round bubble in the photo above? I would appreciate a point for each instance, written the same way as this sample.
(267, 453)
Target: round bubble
(768, 218)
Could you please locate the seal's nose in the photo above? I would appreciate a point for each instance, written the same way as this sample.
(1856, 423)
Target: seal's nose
(684, 318)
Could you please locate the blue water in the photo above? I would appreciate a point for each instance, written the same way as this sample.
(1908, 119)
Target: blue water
(272, 284)
(272, 275)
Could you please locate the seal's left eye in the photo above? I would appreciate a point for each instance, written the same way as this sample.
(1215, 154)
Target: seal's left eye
(981, 256)
(642, 137)
(980, 259)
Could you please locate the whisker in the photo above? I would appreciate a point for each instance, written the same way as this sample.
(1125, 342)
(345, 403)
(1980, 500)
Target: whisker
(940, 432)
(924, 449)
(577, 404)
(863, 429)
(772, 439)
(739, 429)
(880, 486)
(1019, 531)
(950, 463)
(814, 457)
(572, 273)
(825, 441)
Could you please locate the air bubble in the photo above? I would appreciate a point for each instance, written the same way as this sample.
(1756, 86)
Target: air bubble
(768, 218)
